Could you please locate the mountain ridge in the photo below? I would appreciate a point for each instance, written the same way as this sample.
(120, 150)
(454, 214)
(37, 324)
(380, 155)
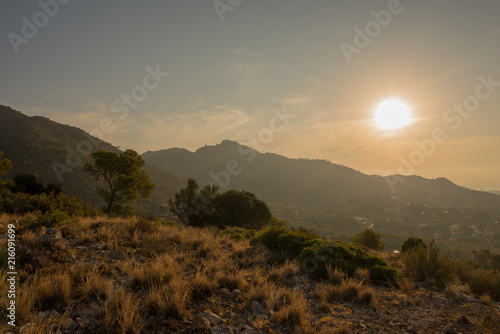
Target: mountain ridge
(209, 164)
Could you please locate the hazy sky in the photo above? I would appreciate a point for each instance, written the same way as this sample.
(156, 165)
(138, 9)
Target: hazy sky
(233, 64)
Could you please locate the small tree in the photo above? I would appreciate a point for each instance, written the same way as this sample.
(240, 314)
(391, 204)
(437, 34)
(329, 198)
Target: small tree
(240, 208)
(368, 238)
(121, 178)
(412, 243)
(192, 206)
(197, 207)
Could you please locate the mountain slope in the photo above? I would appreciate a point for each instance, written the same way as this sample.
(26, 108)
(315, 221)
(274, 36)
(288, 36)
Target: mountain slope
(57, 152)
(315, 184)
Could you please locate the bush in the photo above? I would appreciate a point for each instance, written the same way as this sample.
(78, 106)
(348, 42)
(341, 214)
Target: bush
(368, 238)
(291, 241)
(412, 243)
(20, 203)
(321, 255)
(426, 264)
(238, 233)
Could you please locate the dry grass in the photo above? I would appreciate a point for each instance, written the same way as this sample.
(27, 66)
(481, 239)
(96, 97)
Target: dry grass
(362, 275)
(170, 300)
(335, 275)
(121, 312)
(293, 315)
(457, 289)
(52, 291)
(285, 273)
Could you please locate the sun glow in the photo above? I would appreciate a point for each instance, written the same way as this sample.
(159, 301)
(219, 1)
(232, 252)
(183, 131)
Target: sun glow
(392, 114)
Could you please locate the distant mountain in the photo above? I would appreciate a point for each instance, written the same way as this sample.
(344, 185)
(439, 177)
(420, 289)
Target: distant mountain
(57, 152)
(496, 192)
(317, 184)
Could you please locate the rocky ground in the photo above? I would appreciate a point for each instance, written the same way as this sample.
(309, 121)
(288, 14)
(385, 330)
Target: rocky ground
(106, 292)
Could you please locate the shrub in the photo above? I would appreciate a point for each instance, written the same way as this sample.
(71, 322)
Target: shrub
(412, 243)
(319, 255)
(291, 241)
(368, 238)
(238, 233)
(20, 203)
(428, 264)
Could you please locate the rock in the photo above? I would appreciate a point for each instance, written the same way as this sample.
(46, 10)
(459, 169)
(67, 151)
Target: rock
(236, 292)
(70, 326)
(449, 329)
(46, 239)
(257, 308)
(58, 235)
(97, 246)
(116, 255)
(83, 322)
(48, 314)
(20, 249)
(49, 230)
(93, 326)
(224, 329)
(413, 330)
(201, 324)
(229, 314)
(214, 319)
(311, 295)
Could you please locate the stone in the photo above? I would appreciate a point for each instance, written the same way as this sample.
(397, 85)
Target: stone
(214, 319)
(46, 238)
(257, 308)
(224, 329)
(70, 326)
(83, 322)
(97, 246)
(449, 329)
(413, 330)
(201, 324)
(236, 292)
(116, 255)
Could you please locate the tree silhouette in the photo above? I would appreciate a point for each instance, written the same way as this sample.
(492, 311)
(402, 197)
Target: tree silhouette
(121, 178)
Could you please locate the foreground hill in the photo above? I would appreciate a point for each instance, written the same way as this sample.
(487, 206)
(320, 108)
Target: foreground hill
(101, 275)
(57, 152)
(317, 184)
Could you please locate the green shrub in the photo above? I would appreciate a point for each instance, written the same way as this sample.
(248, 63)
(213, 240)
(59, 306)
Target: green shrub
(291, 241)
(20, 203)
(480, 280)
(52, 217)
(319, 255)
(412, 243)
(368, 238)
(238, 233)
(425, 264)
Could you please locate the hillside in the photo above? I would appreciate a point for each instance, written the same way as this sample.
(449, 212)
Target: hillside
(57, 152)
(315, 184)
(105, 275)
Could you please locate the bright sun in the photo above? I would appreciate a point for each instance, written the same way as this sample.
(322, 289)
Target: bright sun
(392, 114)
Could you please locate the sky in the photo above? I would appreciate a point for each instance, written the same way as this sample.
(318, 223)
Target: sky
(297, 78)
